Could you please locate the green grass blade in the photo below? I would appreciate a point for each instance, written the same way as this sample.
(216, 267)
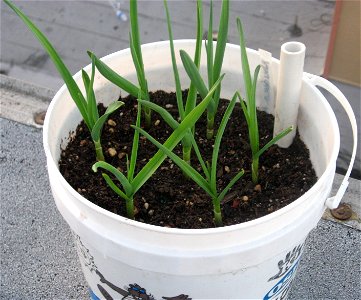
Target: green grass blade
(254, 86)
(245, 111)
(134, 154)
(216, 97)
(86, 81)
(127, 164)
(245, 65)
(191, 98)
(98, 126)
(193, 74)
(253, 114)
(229, 185)
(214, 66)
(273, 141)
(192, 92)
(250, 93)
(174, 139)
(254, 168)
(167, 117)
(92, 104)
(60, 66)
(139, 69)
(217, 142)
(186, 168)
(209, 46)
(178, 88)
(134, 26)
(91, 101)
(119, 175)
(198, 50)
(222, 39)
(115, 78)
(114, 187)
(200, 158)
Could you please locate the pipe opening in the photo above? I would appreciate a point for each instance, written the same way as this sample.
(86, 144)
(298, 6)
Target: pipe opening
(293, 47)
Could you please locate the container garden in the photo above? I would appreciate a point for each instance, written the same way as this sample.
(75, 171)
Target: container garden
(252, 260)
(125, 259)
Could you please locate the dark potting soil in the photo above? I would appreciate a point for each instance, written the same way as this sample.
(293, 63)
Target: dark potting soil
(168, 198)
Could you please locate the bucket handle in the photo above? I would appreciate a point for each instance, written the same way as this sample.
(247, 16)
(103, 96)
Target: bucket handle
(333, 202)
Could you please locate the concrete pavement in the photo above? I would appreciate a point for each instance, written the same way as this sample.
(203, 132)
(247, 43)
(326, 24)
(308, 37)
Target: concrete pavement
(76, 26)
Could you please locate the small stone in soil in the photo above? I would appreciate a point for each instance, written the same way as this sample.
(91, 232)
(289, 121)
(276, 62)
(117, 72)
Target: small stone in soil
(121, 155)
(112, 152)
(258, 188)
(112, 123)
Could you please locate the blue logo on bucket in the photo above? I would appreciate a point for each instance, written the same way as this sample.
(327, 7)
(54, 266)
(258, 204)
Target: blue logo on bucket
(280, 290)
(93, 296)
(286, 272)
(105, 288)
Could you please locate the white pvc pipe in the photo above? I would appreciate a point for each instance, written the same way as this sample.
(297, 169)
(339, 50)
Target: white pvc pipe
(288, 90)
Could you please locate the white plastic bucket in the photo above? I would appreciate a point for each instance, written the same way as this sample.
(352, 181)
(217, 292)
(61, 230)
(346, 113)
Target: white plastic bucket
(253, 260)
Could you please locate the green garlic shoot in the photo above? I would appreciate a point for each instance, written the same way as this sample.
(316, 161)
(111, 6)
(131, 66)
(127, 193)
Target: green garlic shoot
(250, 110)
(208, 182)
(136, 52)
(130, 184)
(214, 65)
(215, 61)
(192, 92)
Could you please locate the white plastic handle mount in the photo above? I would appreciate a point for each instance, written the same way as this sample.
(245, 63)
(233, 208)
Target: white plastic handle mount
(333, 202)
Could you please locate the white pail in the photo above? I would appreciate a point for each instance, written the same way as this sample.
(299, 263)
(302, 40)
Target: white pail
(122, 258)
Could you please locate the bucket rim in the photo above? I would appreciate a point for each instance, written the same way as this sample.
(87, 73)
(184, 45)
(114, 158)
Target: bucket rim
(54, 171)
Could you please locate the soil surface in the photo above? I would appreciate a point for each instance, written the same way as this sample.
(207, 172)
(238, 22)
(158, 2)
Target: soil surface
(168, 198)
